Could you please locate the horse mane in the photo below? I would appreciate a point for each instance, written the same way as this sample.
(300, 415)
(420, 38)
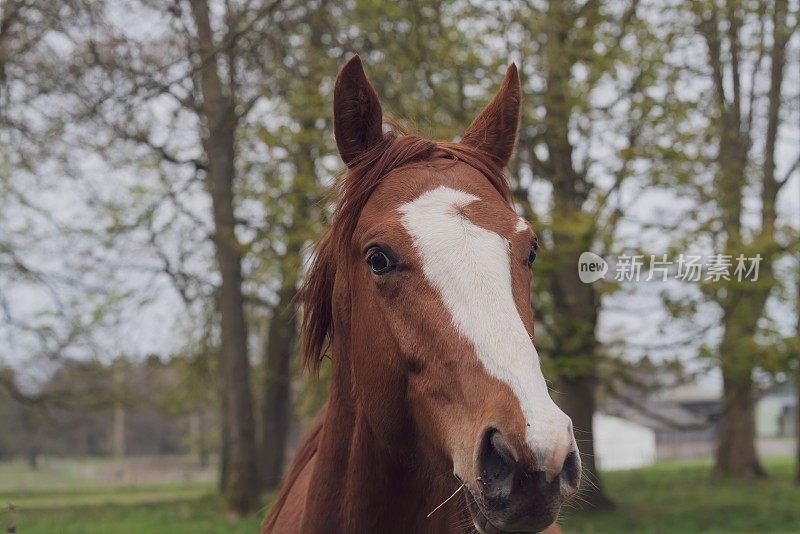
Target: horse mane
(304, 453)
(395, 149)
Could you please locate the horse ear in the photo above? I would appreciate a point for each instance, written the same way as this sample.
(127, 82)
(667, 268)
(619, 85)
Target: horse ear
(357, 114)
(494, 130)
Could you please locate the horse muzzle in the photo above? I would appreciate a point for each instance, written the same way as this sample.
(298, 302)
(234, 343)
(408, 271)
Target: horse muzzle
(512, 495)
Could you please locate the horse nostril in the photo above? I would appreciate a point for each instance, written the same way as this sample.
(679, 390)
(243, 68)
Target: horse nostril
(571, 469)
(496, 465)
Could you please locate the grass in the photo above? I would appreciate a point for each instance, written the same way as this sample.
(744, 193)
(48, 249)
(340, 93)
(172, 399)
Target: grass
(171, 514)
(60, 498)
(682, 498)
(666, 498)
(17, 477)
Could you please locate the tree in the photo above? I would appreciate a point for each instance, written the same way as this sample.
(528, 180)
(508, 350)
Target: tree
(417, 48)
(47, 312)
(197, 73)
(218, 112)
(745, 45)
(294, 223)
(586, 67)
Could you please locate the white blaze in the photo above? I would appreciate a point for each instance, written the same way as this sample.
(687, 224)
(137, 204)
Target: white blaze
(470, 268)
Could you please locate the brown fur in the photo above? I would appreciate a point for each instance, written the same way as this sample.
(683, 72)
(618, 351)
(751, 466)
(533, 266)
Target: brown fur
(305, 452)
(396, 149)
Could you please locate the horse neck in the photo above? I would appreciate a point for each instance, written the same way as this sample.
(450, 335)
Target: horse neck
(362, 484)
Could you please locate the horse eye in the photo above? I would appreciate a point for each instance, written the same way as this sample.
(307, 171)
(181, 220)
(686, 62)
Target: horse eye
(379, 262)
(532, 253)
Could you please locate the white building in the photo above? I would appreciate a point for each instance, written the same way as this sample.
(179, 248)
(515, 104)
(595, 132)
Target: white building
(622, 444)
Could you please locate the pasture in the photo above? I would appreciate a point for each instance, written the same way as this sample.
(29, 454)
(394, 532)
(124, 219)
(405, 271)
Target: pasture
(113, 497)
(665, 498)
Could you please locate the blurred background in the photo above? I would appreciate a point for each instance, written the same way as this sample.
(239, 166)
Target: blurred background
(166, 165)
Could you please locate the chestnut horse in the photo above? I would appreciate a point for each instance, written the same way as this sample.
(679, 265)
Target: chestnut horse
(420, 293)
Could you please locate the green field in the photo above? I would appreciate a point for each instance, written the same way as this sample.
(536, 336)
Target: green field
(675, 497)
(682, 498)
(60, 498)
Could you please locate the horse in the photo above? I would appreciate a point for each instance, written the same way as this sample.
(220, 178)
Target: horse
(438, 417)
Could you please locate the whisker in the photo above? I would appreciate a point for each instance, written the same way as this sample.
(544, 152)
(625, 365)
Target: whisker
(445, 501)
(592, 483)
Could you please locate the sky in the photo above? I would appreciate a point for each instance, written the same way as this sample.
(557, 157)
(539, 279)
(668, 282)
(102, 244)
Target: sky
(154, 319)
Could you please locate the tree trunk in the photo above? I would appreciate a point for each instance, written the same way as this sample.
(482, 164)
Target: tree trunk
(224, 439)
(30, 426)
(736, 449)
(575, 305)
(118, 423)
(241, 489)
(221, 121)
(276, 404)
(197, 436)
(797, 411)
(282, 333)
(118, 436)
(575, 350)
(797, 379)
(577, 399)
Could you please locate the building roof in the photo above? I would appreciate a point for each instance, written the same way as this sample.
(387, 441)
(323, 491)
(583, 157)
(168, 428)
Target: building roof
(657, 414)
(692, 392)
